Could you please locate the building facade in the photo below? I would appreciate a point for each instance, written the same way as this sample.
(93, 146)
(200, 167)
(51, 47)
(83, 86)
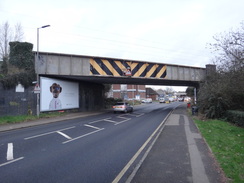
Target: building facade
(128, 92)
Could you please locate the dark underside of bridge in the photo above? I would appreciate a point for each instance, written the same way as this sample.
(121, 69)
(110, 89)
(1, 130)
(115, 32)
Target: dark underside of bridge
(126, 80)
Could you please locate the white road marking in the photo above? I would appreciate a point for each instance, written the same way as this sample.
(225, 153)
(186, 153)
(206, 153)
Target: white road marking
(10, 153)
(127, 166)
(11, 161)
(98, 120)
(92, 127)
(121, 116)
(48, 133)
(111, 121)
(136, 114)
(63, 134)
(83, 136)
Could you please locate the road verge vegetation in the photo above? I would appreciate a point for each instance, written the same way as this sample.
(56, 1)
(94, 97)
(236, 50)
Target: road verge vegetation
(227, 144)
(25, 118)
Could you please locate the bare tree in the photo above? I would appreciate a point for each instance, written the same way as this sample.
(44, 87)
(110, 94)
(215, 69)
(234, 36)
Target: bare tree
(19, 34)
(230, 49)
(7, 35)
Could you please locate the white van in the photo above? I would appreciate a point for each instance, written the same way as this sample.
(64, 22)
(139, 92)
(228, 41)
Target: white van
(149, 100)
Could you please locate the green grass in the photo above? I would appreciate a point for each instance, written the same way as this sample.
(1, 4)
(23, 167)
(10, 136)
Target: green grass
(23, 118)
(227, 144)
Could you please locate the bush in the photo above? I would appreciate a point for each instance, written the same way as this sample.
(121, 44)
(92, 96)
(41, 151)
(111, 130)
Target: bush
(109, 102)
(236, 117)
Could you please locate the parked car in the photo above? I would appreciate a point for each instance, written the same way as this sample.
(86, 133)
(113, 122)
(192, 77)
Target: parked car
(122, 107)
(161, 100)
(148, 100)
(167, 101)
(181, 99)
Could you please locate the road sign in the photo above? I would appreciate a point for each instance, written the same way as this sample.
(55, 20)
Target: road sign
(37, 88)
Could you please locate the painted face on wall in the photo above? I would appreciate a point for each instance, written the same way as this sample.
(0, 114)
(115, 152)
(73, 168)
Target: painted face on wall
(55, 89)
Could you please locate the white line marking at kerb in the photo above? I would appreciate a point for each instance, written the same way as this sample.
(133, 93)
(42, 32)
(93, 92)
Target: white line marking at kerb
(10, 153)
(63, 134)
(11, 161)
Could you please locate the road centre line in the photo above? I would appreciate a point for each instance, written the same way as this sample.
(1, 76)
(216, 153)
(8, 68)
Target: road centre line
(48, 133)
(92, 127)
(11, 161)
(63, 134)
(82, 136)
(10, 153)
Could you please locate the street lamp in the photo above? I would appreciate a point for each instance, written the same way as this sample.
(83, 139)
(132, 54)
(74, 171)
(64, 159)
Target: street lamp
(37, 71)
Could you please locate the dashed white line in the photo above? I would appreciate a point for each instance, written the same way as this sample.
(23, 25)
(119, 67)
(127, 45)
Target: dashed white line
(10, 153)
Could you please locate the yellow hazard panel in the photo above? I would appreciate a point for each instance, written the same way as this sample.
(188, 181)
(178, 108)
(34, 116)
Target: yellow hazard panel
(110, 67)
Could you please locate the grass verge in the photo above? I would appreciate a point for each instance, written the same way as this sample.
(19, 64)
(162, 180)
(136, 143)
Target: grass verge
(24, 118)
(227, 144)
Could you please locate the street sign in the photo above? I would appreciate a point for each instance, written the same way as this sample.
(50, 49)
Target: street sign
(37, 88)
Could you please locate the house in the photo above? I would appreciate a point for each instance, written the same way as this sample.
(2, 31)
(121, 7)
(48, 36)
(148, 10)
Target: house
(150, 93)
(127, 92)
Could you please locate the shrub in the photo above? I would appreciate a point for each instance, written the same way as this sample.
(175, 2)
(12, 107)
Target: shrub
(109, 102)
(236, 117)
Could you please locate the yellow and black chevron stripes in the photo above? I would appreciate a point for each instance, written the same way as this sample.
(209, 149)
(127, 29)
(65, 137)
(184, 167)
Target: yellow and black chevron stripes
(109, 67)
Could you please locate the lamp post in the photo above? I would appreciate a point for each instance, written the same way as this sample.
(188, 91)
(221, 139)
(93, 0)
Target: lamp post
(37, 71)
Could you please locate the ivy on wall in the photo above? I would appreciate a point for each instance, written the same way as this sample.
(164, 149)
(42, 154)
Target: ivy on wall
(20, 66)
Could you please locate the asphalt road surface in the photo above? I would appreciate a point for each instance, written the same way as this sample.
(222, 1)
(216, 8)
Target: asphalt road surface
(102, 148)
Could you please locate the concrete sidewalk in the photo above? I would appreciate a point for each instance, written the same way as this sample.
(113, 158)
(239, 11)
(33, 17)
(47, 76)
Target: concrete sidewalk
(180, 154)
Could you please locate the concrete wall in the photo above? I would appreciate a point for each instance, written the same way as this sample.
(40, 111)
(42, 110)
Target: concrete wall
(63, 65)
(91, 96)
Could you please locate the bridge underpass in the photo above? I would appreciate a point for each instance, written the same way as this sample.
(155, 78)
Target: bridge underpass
(90, 73)
(104, 70)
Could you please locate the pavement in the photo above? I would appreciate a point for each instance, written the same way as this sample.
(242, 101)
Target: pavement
(179, 155)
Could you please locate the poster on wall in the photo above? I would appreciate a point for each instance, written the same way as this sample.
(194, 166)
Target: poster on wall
(58, 94)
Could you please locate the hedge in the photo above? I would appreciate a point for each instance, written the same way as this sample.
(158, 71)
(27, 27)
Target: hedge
(236, 117)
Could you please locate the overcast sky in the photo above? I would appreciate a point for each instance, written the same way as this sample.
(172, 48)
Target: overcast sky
(172, 31)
